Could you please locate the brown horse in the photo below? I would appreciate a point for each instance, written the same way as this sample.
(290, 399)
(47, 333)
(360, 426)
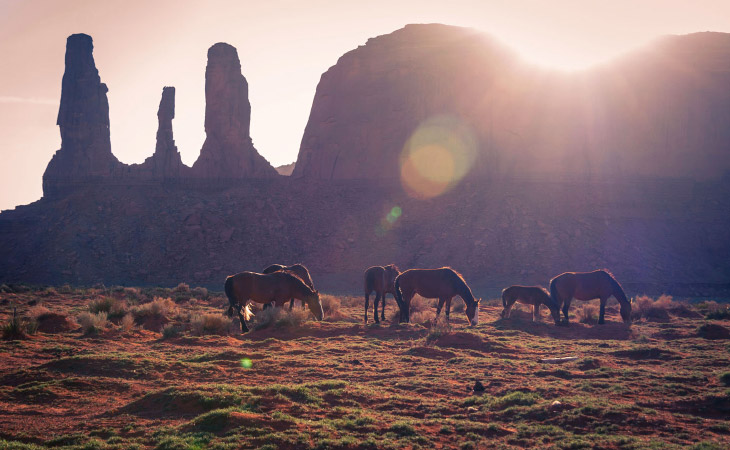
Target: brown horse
(298, 270)
(587, 286)
(381, 280)
(529, 295)
(277, 288)
(444, 284)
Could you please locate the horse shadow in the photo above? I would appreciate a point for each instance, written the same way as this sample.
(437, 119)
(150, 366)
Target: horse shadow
(574, 331)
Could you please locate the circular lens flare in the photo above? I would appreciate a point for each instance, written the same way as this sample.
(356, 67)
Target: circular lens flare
(246, 363)
(437, 156)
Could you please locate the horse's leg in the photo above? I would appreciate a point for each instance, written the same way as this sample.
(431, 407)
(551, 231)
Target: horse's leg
(438, 308)
(375, 306)
(291, 304)
(407, 307)
(566, 306)
(448, 308)
(602, 312)
(536, 312)
(367, 305)
(382, 306)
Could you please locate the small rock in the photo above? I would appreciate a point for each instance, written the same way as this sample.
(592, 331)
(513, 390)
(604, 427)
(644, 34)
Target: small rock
(472, 409)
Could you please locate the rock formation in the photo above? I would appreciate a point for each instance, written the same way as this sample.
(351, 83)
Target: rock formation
(83, 118)
(228, 152)
(662, 111)
(165, 163)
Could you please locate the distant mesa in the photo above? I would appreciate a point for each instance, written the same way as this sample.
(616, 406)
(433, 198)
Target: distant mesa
(86, 158)
(660, 112)
(286, 169)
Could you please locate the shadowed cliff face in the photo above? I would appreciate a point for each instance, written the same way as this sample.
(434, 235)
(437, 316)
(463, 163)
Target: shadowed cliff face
(83, 118)
(228, 151)
(663, 111)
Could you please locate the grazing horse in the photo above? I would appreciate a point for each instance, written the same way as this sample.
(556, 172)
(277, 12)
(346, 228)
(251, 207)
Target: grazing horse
(277, 287)
(298, 270)
(587, 286)
(444, 284)
(381, 280)
(529, 295)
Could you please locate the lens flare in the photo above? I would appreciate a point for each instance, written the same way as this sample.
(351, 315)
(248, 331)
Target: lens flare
(437, 156)
(246, 363)
(387, 223)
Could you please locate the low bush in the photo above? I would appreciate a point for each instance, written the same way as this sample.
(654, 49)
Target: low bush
(280, 318)
(158, 308)
(127, 322)
(92, 323)
(331, 306)
(115, 309)
(170, 331)
(17, 328)
(650, 309)
(589, 314)
(212, 323)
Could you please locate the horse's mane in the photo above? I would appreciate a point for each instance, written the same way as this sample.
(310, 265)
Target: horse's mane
(394, 267)
(460, 278)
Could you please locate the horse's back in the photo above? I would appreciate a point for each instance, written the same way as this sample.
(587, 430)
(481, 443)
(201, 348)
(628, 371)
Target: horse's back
(429, 283)
(526, 294)
(585, 285)
(301, 271)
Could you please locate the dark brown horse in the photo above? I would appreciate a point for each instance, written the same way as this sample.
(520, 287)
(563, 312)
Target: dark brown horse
(587, 286)
(277, 288)
(529, 295)
(298, 270)
(444, 284)
(381, 280)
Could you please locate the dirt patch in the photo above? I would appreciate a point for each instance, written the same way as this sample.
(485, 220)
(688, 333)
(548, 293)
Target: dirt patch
(645, 353)
(468, 341)
(55, 323)
(713, 331)
(430, 353)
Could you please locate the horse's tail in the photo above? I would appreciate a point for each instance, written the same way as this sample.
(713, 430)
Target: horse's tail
(399, 296)
(554, 292)
(504, 298)
(229, 293)
(247, 313)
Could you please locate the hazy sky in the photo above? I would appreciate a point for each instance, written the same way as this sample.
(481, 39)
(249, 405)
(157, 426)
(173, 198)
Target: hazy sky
(284, 46)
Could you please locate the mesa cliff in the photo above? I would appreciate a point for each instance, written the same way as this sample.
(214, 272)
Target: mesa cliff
(662, 111)
(525, 173)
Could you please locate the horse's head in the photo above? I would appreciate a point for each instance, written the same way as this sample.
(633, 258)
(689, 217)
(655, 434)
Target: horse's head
(472, 312)
(315, 305)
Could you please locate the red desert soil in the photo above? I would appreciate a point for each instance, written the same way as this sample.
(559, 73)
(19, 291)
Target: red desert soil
(343, 384)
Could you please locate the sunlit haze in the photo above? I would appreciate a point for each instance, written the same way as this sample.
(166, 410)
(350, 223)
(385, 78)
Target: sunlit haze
(284, 47)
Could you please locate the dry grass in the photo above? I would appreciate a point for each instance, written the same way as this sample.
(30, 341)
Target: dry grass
(331, 306)
(115, 309)
(127, 322)
(280, 318)
(211, 323)
(589, 314)
(651, 309)
(157, 308)
(92, 322)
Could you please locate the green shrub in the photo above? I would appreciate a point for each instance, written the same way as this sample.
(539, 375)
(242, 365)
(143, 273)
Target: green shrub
(212, 323)
(725, 378)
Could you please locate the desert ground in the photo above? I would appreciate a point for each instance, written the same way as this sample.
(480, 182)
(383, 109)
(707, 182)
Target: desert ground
(154, 368)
